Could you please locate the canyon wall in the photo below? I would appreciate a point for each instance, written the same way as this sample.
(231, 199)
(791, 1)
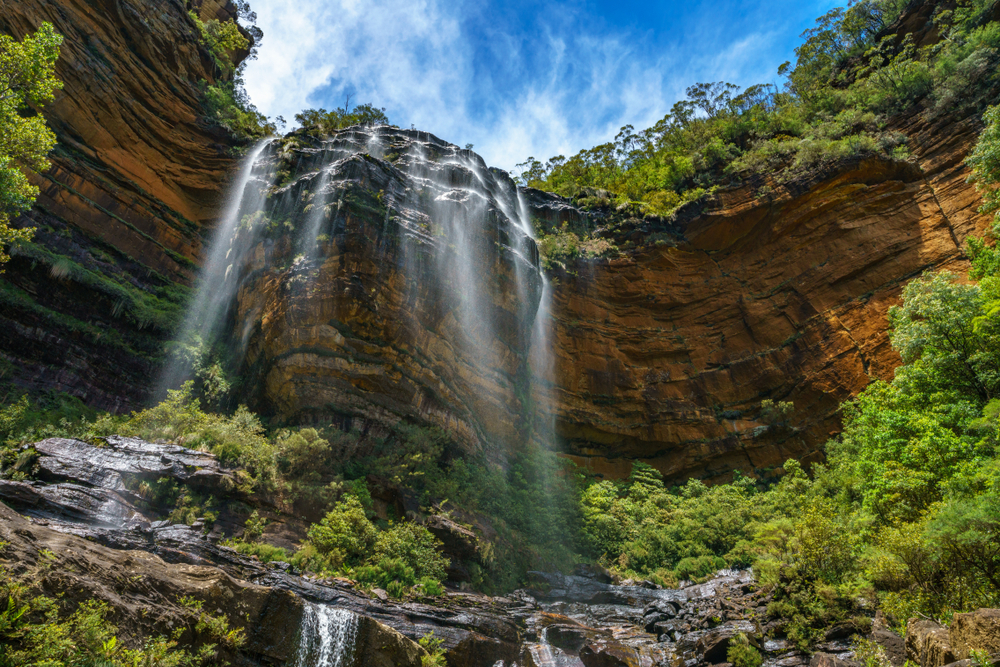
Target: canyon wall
(663, 354)
(666, 354)
(136, 179)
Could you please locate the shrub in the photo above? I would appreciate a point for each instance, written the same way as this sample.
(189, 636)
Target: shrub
(435, 654)
(33, 632)
(742, 654)
(430, 586)
(265, 553)
(344, 536)
(414, 546)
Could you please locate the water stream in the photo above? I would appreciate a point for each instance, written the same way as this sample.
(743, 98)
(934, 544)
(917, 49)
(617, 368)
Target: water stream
(459, 232)
(328, 637)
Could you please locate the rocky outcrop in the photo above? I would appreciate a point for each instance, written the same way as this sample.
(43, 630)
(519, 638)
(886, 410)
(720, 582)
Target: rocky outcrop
(143, 592)
(928, 643)
(400, 286)
(978, 630)
(136, 181)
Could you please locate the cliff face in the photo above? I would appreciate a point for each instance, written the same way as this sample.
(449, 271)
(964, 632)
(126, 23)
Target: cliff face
(135, 179)
(400, 285)
(420, 303)
(665, 355)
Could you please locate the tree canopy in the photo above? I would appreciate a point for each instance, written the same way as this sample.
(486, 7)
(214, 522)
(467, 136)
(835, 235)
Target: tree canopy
(27, 82)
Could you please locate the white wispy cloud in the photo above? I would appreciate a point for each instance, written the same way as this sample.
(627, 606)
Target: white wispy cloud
(563, 83)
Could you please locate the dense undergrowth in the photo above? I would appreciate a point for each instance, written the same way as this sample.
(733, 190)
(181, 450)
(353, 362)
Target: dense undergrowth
(851, 81)
(35, 629)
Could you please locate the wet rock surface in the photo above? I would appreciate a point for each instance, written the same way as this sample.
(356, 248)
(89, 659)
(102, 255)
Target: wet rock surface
(85, 506)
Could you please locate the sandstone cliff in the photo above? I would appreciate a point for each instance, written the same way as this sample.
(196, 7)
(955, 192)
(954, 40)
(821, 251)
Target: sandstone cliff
(136, 180)
(666, 353)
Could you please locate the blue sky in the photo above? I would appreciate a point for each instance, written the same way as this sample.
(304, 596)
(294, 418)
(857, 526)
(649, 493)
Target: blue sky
(516, 78)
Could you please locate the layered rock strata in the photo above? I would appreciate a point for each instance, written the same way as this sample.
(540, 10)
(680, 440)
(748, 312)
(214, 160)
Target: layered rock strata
(400, 285)
(666, 353)
(136, 179)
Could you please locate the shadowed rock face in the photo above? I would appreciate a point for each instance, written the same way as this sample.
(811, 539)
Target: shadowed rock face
(402, 285)
(137, 176)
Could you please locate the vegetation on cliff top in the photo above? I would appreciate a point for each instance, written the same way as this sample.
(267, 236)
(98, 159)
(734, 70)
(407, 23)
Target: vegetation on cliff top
(851, 78)
(226, 101)
(27, 82)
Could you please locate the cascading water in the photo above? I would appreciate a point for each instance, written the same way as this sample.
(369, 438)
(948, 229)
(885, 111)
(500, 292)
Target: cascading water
(544, 654)
(217, 283)
(395, 236)
(327, 637)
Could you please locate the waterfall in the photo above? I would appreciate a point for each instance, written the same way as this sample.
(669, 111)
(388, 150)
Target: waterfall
(544, 654)
(322, 226)
(328, 637)
(217, 285)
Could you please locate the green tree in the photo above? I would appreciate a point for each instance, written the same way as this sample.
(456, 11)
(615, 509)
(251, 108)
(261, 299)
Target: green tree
(27, 82)
(328, 121)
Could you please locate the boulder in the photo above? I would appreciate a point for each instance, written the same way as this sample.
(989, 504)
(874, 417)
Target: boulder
(478, 650)
(379, 645)
(976, 630)
(830, 660)
(570, 638)
(928, 644)
(659, 611)
(608, 654)
(893, 645)
(121, 462)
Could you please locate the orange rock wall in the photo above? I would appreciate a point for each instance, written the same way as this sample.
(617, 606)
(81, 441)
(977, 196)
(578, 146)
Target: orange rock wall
(666, 355)
(135, 166)
(136, 180)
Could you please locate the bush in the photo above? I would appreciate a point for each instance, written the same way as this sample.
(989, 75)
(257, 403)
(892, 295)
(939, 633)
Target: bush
(414, 546)
(742, 654)
(33, 632)
(345, 536)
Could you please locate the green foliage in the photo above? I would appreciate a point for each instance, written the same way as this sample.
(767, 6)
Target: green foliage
(237, 439)
(328, 121)
(394, 558)
(222, 38)
(37, 631)
(435, 653)
(27, 83)
(848, 80)
(742, 654)
(228, 105)
(985, 162)
(562, 246)
(345, 536)
(226, 101)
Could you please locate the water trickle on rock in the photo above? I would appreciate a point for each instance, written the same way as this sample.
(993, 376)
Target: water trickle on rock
(328, 637)
(402, 233)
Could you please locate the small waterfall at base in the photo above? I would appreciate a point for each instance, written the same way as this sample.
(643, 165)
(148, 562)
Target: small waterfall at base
(544, 654)
(328, 637)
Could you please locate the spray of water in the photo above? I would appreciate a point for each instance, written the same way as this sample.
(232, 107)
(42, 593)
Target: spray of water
(217, 282)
